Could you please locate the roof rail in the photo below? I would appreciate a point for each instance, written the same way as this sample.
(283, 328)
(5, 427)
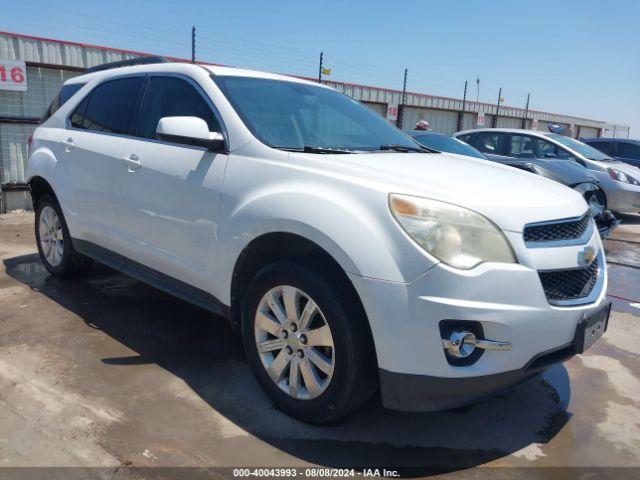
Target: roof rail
(126, 63)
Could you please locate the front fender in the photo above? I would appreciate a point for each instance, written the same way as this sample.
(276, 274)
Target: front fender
(356, 229)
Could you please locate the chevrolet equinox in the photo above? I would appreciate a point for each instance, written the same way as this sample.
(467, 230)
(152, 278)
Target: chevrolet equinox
(348, 257)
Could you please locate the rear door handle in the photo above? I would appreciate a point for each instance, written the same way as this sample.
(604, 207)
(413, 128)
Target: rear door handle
(68, 144)
(132, 162)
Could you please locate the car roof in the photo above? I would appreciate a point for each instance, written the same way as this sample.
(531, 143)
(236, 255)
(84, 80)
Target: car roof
(425, 133)
(503, 130)
(183, 67)
(604, 139)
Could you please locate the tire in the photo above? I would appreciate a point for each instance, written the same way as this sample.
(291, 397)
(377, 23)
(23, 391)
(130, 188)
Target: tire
(54, 241)
(352, 378)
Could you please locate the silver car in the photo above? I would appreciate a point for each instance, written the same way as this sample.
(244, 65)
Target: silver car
(620, 181)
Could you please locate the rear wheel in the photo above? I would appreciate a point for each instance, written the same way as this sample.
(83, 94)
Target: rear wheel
(307, 342)
(54, 242)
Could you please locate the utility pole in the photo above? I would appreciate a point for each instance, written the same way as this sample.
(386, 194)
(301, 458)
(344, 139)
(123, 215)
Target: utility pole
(400, 118)
(193, 44)
(320, 67)
(494, 122)
(478, 88)
(464, 104)
(526, 112)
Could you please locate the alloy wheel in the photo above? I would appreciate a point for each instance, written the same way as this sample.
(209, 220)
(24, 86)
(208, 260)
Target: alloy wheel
(294, 342)
(51, 238)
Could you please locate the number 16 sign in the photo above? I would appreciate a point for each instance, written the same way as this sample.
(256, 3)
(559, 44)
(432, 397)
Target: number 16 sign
(13, 75)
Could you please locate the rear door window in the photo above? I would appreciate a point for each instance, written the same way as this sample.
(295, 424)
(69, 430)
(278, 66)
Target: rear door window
(523, 146)
(488, 142)
(109, 107)
(172, 97)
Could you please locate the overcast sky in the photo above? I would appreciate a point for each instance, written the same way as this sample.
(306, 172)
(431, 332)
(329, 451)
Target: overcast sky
(575, 57)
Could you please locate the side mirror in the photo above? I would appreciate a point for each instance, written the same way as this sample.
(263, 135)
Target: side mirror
(551, 155)
(189, 131)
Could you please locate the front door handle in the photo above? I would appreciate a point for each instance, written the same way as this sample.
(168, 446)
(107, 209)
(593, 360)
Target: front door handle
(68, 144)
(132, 162)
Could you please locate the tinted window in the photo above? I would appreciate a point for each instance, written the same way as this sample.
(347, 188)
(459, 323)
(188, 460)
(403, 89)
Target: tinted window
(604, 147)
(77, 117)
(487, 142)
(628, 150)
(523, 146)
(582, 148)
(172, 97)
(109, 107)
(442, 143)
(286, 114)
(66, 92)
(549, 150)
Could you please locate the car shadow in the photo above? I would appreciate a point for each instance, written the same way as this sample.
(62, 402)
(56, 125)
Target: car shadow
(202, 350)
(628, 218)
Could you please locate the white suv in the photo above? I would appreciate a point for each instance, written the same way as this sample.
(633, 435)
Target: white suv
(348, 257)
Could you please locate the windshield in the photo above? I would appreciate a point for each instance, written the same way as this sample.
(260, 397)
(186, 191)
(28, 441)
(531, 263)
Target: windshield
(442, 143)
(582, 148)
(293, 115)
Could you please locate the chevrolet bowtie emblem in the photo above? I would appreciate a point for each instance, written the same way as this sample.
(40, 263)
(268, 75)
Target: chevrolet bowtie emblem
(587, 255)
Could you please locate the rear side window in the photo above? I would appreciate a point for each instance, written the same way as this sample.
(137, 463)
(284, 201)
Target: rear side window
(628, 150)
(66, 92)
(487, 142)
(172, 97)
(109, 107)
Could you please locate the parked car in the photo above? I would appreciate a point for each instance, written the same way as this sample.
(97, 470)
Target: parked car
(619, 181)
(622, 149)
(348, 257)
(570, 174)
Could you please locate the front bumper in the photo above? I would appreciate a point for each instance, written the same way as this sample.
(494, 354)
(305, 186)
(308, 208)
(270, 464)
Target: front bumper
(621, 197)
(506, 299)
(423, 393)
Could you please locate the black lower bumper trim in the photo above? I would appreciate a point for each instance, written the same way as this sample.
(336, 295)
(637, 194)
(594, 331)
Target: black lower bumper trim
(423, 393)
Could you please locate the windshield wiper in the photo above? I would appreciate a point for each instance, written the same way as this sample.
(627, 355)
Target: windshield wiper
(313, 149)
(407, 148)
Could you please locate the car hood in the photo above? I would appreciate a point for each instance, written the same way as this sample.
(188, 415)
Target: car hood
(563, 171)
(509, 197)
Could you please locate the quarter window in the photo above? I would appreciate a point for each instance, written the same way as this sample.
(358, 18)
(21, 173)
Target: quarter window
(66, 92)
(109, 107)
(172, 97)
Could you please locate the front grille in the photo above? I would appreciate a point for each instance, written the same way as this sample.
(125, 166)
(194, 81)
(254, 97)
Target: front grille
(555, 231)
(569, 284)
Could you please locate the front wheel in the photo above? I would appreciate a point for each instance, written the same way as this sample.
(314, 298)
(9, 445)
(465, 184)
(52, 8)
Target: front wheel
(308, 342)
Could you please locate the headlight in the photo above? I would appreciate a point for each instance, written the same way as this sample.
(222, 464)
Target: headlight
(619, 176)
(454, 235)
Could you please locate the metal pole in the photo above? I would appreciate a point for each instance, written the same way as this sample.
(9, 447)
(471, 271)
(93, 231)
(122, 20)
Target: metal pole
(193, 44)
(320, 68)
(400, 118)
(464, 104)
(477, 88)
(494, 122)
(526, 112)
